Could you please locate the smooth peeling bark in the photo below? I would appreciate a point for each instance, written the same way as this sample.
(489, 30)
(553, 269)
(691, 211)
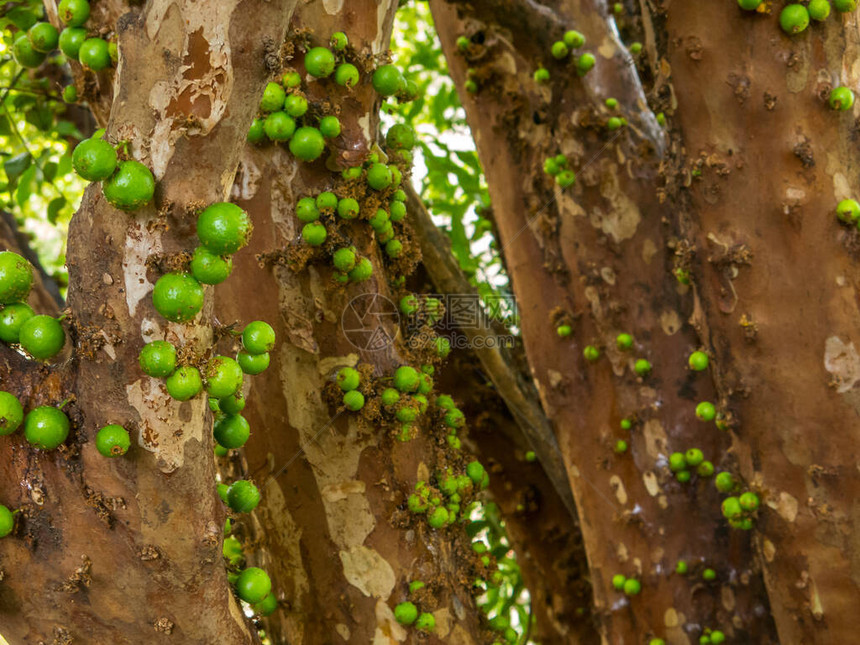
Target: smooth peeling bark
(770, 253)
(331, 527)
(128, 551)
(596, 256)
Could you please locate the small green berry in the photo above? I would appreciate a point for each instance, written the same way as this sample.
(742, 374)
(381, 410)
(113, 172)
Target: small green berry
(705, 469)
(681, 568)
(585, 63)
(94, 54)
(794, 18)
(42, 337)
(258, 337)
(43, 37)
(295, 105)
(475, 471)
(541, 75)
(632, 587)
(438, 518)
(387, 80)
(232, 404)
(223, 228)
(338, 41)
(362, 271)
(232, 431)
(750, 5)
(24, 53)
(7, 521)
(11, 413)
(209, 268)
(620, 446)
(693, 457)
(559, 50)
(243, 496)
(611, 103)
(626, 424)
(406, 613)
(157, 359)
(353, 400)
(184, 383)
(253, 364)
(16, 278)
(253, 585)
(319, 62)
(709, 575)
(398, 211)
(177, 296)
(267, 606)
(426, 622)
(71, 39)
(573, 39)
(731, 507)
(563, 331)
(273, 98)
(642, 367)
(844, 6)
(131, 186)
(591, 353)
(725, 482)
(70, 94)
(73, 12)
(307, 211)
(841, 98)
(347, 75)
(818, 9)
(327, 202)
(717, 637)
(46, 427)
(749, 501)
(624, 341)
(705, 411)
(848, 210)
(677, 462)
(407, 379)
(348, 379)
(565, 178)
(307, 144)
(635, 48)
(698, 361)
(683, 476)
(113, 441)
(379, 176)
(330, 127)
(314, 233)
(618, 581)
(222, 377)
(279, 126)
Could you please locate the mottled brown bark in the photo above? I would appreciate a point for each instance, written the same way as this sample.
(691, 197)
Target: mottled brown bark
(776, 281)
(128, 551)
(331, 527)
(598, 256)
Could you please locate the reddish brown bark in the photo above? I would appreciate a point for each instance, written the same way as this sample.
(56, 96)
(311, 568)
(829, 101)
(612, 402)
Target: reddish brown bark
(597, 254)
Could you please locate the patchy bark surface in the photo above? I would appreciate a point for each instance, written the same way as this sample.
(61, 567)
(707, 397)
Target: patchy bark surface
(128, 551)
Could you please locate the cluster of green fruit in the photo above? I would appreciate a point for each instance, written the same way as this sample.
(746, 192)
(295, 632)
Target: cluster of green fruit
(740, 510)
(41, 336)
(242, 496)
(712, 637)
(630, 586)
(794, 18)
(452, 417)
(252, 584)
(557, 167)
(561, 50)
(127, 184)
(442, 502)
(45, 427)
(681, 463)
(407, 400)
(281, 109)
(30, 49)
(254, 587)
(407, 613)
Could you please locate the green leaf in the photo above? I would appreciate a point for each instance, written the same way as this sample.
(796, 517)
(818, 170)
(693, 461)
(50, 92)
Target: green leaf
(25, 186)
(15, 166)
(54, 209)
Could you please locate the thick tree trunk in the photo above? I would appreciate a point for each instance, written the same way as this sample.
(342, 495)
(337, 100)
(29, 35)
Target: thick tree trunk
(128, 551)
(597, 256)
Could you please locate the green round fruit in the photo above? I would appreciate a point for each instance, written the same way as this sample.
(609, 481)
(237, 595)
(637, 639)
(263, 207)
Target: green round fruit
(185, 383)
(406, 613)
(291, 79)
(338, 41)
(362, 271)
(279, 126)
(253, 585)
(393, 248)
(725, 482)
(222, 377)
(157, 359)
(307, 211)
(731, 507)
(327, 202)
(677, 462)
(7, 521)
(223, 228)
(642, 367)
(749, 501)
(46, 427)
(296, 105)
(113, 441)
(258, 337)
(632, 586)
(379, 176)
(387, 80)
(841, 98)
(73, 12)
(818, 9)
(347, 75)
(232, 404)
(11, 413)
(585, 63)
(618, 581)
(400, 136)
(131, 187)
(267, 606)
(573, 39)
(314, 233)
(256, 131)
(848, 210)
(693, 457)
(624, 341)
(243, 496)
(749, 5)
(209, 268)
(273, 98)
(705, 469)
(380, 220)
(307, 144)
(44, 37)
(319, 62)
(330, 127)
(559, 50)
(42, 337)
(541, 75)
(438, 518)
(348, 379)
(344, 259)
(177, 296)
(348, 208)
(12, 318)
(70, 41)
(253, 364)
(94, 159)
(794, 18)
(844, 6)
(398, 211)
(698, 361)
(70, 94)
(353, 400)
(232, 431)
(591, 353)
(25, 54)
(565, 178)
(95, 54)
(705, 411)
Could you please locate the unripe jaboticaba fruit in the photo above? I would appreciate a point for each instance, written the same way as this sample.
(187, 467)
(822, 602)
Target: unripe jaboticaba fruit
(253, 584)
(42, 337)
(95, 54)
(295, 105)
(330, 127)
(16, 278)
(794, 18)
(314, 233)
(7, 521)
(362, 271)
(232, 431)
(267, 606)
(232, 404)
(46, 427)
(319, 62)
(223, 228)
(307, 144)
(222, 377)
(400, 136)
(157, 359)
(279, 126)
(273, 98)
(131, 187)
(209, 268)
(43, 36)
(71, 39)
(327, 201)
(258, 337)
(25, 54)
(346, 75)
(256, 131)
(177, 296)
(94, 159)
(184, 383)
(243, 496)
(113, 441)
(253, 364)
(307, 211)
(387, 80)
(379, 176)
(11, 413)
(73, 12)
